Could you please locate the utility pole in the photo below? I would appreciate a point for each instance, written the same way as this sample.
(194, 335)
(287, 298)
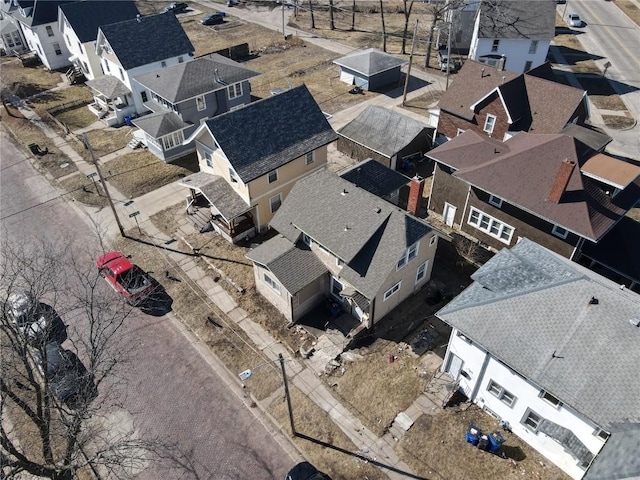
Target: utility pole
(406, 79)
(102, 181)
(284, 35)
(448, 56)
(286, 392)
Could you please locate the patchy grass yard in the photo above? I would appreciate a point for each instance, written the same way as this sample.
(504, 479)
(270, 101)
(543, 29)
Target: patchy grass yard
(601, 93)
(27, 81)
(618, 122)
(75, 118)
(103, 141)
(141, 172)
(423, 103)
(634, 213)
(435, 447)
(52, 99)
(84, 190)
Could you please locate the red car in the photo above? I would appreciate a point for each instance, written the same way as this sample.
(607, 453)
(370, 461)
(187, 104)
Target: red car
(125, 277)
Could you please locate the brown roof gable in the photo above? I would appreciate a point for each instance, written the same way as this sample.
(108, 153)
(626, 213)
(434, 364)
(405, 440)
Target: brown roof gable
(534, 104)
(522, 171)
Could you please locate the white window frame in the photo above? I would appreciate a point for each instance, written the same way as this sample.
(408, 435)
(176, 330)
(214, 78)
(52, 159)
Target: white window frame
(143, 96)
(163, 64)
(535, 424)
(601, 434)
(501, 393)
(560, 232)
(180, 59)
(208, 158)
(234, 91)
(433, 240)
(495, 201)
(56, 48)
(533, 47)
(278, 201)
(233, 176)
(409, 254)
(495, 45)
(172, 140)
(488, 224)
(551, 399)
(201, 103)
(309, 158)
(49, 31)
(275, 286)
(489, 123)
(272, 176)
(392, 291)
(421, 274)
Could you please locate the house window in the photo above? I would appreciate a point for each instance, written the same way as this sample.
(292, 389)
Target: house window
(409, 255)
(306, 239)
(550, 399)
(560, 232)
(531, 420)
(495, 45)
(80, 47)
(208, 159)
(143, 96)
(489, 123)
(172, 140)
(275, 203)
(180, 59)
(121, 74)
(201, 104)
(163, 64)
(68, 42)
(422, 272)
(234, 91)
(499, 392)
(309, 158)
(232, 175)
(527, 65)
(273, 176)
(392, 290)
(106, 66)
(433, 240)
(533, 47)
(49, 30)
(495, 201)
(601, 434)
(490, 225)
(56, 48)
(272, 283)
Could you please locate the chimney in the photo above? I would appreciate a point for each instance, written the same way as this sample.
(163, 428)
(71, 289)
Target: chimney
(562, 180)
(415, 195)
(501, 63)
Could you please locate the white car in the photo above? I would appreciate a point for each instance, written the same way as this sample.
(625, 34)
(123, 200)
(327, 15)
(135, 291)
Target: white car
(574, 20)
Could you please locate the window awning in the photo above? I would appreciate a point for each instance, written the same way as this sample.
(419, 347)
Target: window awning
(567, 439)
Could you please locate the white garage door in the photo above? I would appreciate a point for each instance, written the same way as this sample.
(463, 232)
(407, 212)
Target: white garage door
(346, 77)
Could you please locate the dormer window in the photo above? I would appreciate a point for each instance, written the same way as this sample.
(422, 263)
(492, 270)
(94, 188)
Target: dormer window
(495, 201)
(273, 176)
(558, 231)
(489, 123)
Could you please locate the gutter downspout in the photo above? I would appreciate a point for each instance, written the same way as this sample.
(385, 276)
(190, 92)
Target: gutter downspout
(464, 210)
(480, 376)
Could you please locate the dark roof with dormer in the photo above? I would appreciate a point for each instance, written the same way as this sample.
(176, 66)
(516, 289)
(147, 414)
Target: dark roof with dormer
(87, 16)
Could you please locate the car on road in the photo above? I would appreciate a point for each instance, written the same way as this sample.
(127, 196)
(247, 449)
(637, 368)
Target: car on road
(574, 20)
(214, 18)
(124, 277)
(305, 471)
(176, 7)
(38, 322)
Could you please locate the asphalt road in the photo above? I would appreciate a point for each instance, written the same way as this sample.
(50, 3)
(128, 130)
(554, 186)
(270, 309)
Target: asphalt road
(171, 391)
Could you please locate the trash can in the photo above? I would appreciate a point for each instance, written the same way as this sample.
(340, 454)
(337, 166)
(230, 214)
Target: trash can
(483, 442)
(473, 434)
(495, 442)
(35, 148)
(127, 120)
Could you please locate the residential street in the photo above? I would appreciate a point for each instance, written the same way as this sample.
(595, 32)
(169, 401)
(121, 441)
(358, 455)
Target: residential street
(173, 392)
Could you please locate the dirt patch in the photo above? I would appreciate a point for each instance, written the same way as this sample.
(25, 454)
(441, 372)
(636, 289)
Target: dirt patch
(601, 93)
(618, 122)
(27, 81)
(141, 172)
(630, 9)
(325, 439)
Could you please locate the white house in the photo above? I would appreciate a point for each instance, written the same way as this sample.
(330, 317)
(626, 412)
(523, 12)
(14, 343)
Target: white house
(513, 34)
(39, 23)
(79, 23)
(131, 48)
(11, 39)
(553, 349)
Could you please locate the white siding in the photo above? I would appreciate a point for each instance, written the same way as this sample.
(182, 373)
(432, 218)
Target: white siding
(516, 52)
(39, 41)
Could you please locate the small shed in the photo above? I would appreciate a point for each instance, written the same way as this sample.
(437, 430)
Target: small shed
(385, 135)
(370, 69)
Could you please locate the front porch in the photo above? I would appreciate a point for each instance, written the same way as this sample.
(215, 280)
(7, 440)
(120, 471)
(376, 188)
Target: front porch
(112, 100)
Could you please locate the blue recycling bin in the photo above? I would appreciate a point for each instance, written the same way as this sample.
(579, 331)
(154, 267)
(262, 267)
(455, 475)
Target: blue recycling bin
(127, 120)
(495, 442)
(473, 434)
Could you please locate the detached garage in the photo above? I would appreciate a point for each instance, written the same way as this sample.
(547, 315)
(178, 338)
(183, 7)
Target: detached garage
(370, 69)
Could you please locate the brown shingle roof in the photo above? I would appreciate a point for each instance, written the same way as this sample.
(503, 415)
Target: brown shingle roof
(611, 170)
(523, 171)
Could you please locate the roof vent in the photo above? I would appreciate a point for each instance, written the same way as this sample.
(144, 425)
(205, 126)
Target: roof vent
(346, 228)
(344, 192)
(594, 301)
(635, 322)
(138, 18)
(378, 209)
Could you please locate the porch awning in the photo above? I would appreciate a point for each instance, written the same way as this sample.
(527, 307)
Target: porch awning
(159, 124)
(109, 86)
(218, 192)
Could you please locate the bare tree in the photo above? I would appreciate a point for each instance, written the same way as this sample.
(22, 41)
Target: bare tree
(438, 12)
(313, 18)
(408, 6)
(384, 28)
(332, 25)
(52, 398)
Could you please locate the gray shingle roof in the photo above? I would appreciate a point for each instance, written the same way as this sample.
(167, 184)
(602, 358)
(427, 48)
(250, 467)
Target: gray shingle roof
(87, 16)
(619, 457)
(528, 303)
(294, 267)
(370, 61)
(219, 193)
(534, 19)
(159, 124)
(146, 40)
(271, 132)
(109, 86)
(375, 178)
(367, 233)
(189, 79)
(383, 130)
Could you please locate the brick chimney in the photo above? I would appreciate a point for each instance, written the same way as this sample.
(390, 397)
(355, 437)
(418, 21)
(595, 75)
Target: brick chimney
(562, 180)
(415, 195)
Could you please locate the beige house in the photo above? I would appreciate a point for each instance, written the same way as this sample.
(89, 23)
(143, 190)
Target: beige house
(250, 159)
(344, 245)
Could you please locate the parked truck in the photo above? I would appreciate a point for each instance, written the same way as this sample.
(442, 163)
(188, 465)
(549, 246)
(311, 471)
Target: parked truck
(124, 277)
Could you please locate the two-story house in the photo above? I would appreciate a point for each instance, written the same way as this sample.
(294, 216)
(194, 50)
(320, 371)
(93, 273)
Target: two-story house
(39, 23)
(533, 186)
(179, 97)
(11, 38)
(513, 34)
(131, 48)
(551, 348)
(79, 23)
(251, 157)
(499, 104)
(340, 241)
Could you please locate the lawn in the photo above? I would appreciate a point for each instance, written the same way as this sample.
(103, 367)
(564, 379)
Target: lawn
(141, 172)
(84, 190)
(75, 118)
(27, 81)
(47, 101)
(103, 141)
